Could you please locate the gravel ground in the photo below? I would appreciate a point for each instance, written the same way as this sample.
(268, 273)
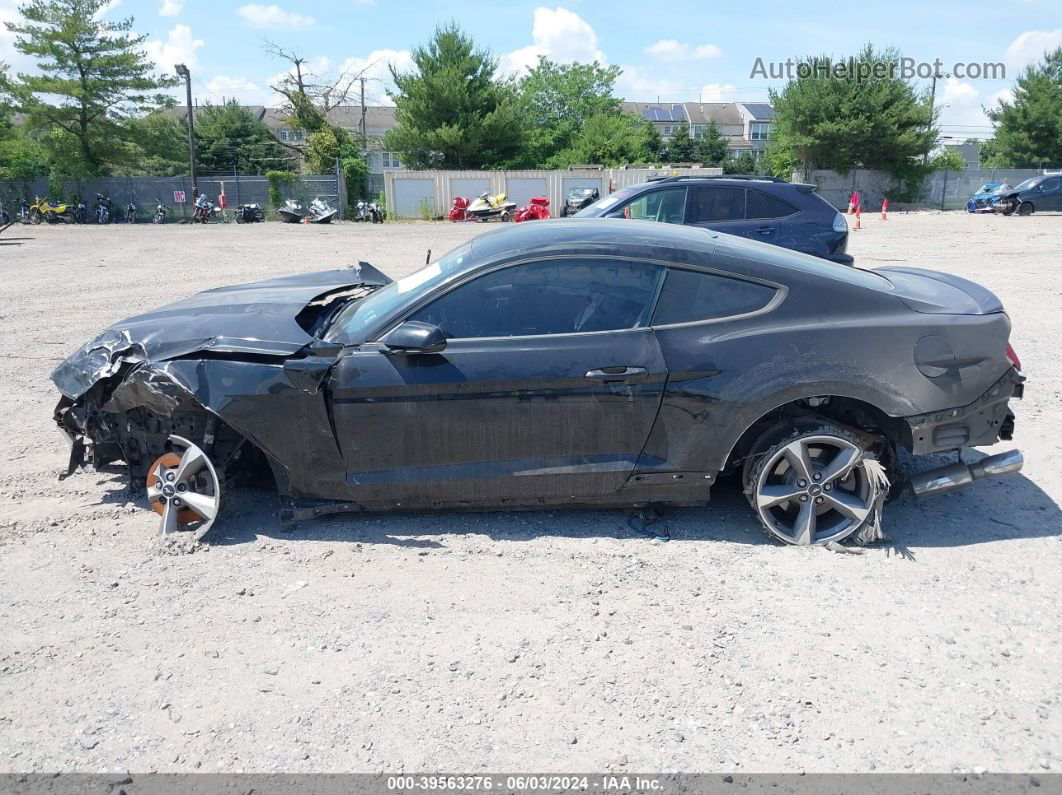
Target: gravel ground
(540, 641)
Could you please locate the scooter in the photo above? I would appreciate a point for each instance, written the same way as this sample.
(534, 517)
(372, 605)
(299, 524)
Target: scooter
(161, 212)
(486, 207)
(537, 210)
(249, 214)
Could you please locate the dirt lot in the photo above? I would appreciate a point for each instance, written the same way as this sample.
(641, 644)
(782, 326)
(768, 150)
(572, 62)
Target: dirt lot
(556, 641)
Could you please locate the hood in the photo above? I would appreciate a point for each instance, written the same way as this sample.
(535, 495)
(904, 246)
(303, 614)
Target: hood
(261, 318)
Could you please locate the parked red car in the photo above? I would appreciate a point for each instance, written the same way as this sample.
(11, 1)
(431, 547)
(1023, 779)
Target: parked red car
(537, 210)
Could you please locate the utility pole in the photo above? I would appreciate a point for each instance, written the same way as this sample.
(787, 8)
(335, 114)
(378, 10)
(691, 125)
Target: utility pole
(364, 137)
(932, 100)
(182, 71)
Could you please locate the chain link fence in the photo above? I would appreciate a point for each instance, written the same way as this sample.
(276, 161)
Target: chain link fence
(175, 192)
(942, 190)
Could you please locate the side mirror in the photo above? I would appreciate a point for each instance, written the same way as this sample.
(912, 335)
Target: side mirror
(416, 337)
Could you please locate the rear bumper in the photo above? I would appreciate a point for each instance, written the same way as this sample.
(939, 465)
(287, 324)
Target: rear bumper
(983, 422)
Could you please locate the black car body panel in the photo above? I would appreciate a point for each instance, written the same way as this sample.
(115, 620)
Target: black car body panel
(790, 215)
(1037, 194)
(652, 412)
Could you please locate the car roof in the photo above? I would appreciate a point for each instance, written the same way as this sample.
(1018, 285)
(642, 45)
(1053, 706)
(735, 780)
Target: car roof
(734, 181)
(590, 234)
(677, 243)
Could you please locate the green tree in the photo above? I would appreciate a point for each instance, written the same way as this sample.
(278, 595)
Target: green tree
(161, 147)
(712, 147)
(610, 139)
(843, 122)
(229, 135)
(1028, 130)
(450, 111)
(555, 101)
(745, 163)
(94, 77)
(948, 160)
(680, 147)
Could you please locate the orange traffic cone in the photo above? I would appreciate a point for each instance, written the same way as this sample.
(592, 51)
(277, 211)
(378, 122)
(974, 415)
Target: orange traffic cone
(306, 221)
(858, 215)
(884, 209)
(853, 203)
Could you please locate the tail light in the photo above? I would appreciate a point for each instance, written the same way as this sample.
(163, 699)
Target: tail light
(1012, 357)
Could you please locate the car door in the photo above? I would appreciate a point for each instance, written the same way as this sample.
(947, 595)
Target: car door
(545, 392)
(722, 208)
(1050, 194)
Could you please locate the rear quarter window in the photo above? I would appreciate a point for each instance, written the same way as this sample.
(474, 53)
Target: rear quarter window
(763, 205)
(691, 296)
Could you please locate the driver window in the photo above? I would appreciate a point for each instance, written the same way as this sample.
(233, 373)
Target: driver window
(551, 297)
(667, 206)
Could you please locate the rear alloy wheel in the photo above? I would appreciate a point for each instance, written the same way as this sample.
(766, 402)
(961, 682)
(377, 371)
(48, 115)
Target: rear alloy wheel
(183, 488)
(1025, 208)
(813, 487)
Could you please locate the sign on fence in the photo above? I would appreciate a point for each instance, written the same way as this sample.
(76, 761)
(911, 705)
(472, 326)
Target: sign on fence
(178, 197)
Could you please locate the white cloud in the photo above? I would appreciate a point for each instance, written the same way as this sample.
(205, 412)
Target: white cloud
(171, 8)
(638, 85)
(560, 35)
(273, 16)
(107, 8)
(179, 47)
(1030, 47)
(241, 89)
(375, 67)
(717, 92)
(961, 111)
(673, 50)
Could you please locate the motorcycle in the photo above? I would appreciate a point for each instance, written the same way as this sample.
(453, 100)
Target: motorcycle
(80, 212)
(5, 216)
(368, 211)
(578, 199)
(249, 214)
(52, 212)
(104, 209)
(23, 211)
(130, 213)
(486, 207)
(537, 210)
(202, 209)
(161, 212)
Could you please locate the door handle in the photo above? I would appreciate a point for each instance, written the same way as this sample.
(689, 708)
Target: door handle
(615, 373)
(764, 230)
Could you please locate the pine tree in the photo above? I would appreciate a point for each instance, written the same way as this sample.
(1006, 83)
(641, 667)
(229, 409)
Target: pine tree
(1029, 129)
(451, 112)
(94, 77)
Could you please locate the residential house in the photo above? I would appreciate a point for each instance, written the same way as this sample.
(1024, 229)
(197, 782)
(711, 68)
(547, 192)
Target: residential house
(745, 125)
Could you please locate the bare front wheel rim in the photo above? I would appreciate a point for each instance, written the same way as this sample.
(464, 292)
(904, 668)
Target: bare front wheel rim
(184, 489)
(814, 490)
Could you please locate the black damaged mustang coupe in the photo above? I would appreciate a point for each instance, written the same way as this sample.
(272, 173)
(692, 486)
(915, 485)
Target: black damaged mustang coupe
(580, 362)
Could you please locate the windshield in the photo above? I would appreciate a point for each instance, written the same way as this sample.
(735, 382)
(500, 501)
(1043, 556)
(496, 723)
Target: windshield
(1029, 183)
(359, 319)
(609, 201)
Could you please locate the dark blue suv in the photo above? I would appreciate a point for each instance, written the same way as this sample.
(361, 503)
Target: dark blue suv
(786, 214)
